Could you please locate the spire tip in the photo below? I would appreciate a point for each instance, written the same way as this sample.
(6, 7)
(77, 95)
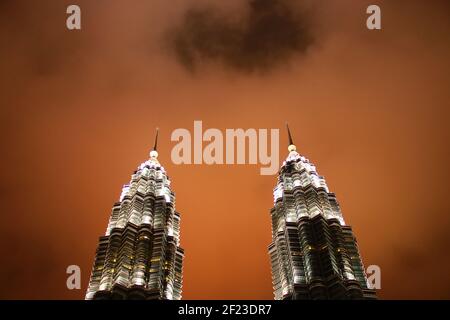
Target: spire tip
(291, 146)
(154, 152)
(155, 146)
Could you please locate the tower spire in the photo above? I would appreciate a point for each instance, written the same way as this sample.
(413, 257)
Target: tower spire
(154, 152)
(156, 140)
(291, 146)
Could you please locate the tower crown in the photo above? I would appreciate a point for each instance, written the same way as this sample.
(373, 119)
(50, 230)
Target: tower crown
(140, 257)
(311, 243)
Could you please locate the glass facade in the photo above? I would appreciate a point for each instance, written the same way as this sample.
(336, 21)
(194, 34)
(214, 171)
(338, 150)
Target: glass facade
(139, 256)
(313, 253)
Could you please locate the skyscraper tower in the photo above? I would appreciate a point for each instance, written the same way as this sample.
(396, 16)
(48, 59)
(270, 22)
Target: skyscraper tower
(313, 253)
(139, 256)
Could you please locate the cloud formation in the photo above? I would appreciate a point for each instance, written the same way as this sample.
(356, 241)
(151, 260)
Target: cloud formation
(267, 35)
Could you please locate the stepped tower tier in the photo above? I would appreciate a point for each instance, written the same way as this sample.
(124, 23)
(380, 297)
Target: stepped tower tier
(313, 253)
(140, 257)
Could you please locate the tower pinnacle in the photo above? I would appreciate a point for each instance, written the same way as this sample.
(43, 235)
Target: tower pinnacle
(291, 146)
(154, 152)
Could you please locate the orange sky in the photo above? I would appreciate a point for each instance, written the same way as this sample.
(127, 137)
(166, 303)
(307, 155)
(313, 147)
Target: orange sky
(78, 111)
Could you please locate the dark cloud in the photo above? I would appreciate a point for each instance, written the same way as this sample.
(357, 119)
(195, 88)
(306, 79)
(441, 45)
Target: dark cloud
(265, 37)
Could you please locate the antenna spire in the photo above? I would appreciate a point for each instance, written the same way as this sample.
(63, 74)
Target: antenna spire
(291, 142)
(291, 146)
(155, 146)
(154, 153)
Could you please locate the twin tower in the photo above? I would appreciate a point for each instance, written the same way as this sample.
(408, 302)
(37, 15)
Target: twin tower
(313, 253)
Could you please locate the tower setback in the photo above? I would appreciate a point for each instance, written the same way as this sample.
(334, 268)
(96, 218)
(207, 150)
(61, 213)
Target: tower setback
(313, 253)
(139, 256)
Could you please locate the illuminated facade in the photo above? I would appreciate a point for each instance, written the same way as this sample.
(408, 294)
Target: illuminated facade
(313, 253)
(139, 256)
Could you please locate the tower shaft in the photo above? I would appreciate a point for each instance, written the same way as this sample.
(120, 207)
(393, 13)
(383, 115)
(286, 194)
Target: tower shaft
(139, 257)
(313, 253)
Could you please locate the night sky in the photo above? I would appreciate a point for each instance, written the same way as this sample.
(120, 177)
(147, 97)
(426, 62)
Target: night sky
(78, 110)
